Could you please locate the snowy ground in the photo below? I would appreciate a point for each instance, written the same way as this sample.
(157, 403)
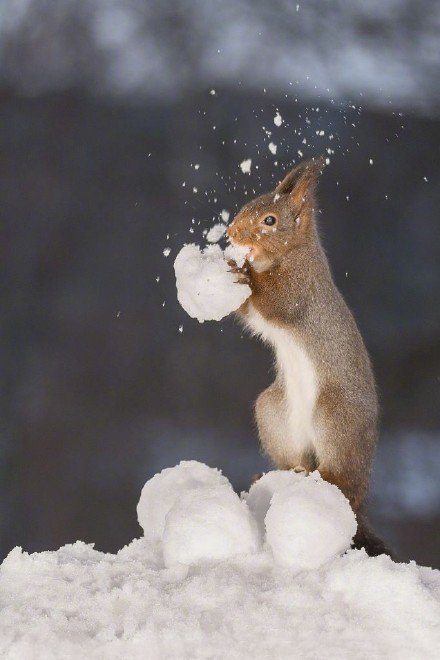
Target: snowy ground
(165, 596)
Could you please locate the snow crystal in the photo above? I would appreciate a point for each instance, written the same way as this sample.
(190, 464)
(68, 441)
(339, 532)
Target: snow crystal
(162, 491)
(272, 148)
(245, 166)
(166, 252)
(159, 598)
(206, 289)
(225, 215)
(216, 232)
(278, 120)
(309, 523)
(208, 524)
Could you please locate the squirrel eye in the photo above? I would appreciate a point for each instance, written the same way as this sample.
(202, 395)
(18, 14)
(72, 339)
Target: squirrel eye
(270, 220)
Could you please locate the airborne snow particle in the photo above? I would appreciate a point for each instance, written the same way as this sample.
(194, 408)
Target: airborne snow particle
(245, 166)
(272, 148)
(196, 166)
(194, 189)
(212, 92)
(224, 215)
(166, 252)
(216, 232)
(277, 120)
(371, 161)
(181, 328)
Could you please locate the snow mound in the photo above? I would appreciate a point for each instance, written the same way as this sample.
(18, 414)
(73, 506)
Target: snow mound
(260, 493)
(160, 493)
(163, 600)
(308, 523)
(206, 289)
(206, 525)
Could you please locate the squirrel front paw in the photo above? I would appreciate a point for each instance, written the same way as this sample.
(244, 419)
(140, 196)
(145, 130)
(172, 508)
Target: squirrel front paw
(242, 272)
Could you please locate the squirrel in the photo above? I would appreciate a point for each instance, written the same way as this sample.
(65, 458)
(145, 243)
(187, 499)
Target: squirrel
(321, 412)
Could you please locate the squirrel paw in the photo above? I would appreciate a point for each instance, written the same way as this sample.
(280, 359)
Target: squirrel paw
(299, 469)
(242, 272)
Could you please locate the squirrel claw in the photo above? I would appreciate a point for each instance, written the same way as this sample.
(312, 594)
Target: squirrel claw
(242, 272)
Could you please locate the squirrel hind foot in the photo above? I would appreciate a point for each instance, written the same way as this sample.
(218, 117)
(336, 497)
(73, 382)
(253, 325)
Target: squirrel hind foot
(300, 469)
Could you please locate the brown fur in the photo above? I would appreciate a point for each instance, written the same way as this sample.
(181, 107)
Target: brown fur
(293, 289)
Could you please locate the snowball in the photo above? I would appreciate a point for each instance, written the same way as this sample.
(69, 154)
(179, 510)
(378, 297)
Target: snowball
(261, 492)
(206, 289)
(272, 148)
(309, 523)
(245, 166)
(208, 524)
(216, 232)
(162, 491)
(277, 120)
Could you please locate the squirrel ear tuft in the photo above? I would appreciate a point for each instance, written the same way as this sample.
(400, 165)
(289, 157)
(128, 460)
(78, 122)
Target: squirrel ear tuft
(302, 179)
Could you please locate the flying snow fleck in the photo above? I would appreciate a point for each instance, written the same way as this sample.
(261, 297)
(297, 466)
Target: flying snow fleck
(272, 148)
(225, 215)
(245, 166)
(277, 120)
(166, 252)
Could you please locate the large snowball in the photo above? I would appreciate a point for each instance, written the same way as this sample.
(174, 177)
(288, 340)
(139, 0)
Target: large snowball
(206, 289)
(162, 491)
(209, 524)
(309, 523)
(261, 492)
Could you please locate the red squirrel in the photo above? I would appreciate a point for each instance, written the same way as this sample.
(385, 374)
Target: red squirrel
(321, 412)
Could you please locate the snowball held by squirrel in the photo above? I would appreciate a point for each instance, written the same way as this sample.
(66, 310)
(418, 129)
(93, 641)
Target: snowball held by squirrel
(321, 412)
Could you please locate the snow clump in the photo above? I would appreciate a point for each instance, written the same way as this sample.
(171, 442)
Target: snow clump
(162, 491)
(309, 523)
(278, 120)
(216, 232)
(245, 166)
(206, 289)
(261, 492)
(208, 524)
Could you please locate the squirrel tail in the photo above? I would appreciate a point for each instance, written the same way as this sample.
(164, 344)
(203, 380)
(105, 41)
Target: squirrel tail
(366, 538)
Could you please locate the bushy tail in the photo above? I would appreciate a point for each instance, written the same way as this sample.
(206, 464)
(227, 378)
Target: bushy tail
(367, 539)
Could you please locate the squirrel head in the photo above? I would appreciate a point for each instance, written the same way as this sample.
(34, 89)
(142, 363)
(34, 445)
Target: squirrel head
(274, 223)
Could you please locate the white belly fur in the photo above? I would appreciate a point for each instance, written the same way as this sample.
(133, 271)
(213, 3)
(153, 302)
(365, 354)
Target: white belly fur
(299, 376)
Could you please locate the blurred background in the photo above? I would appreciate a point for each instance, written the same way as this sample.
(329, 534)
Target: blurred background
(123, 124)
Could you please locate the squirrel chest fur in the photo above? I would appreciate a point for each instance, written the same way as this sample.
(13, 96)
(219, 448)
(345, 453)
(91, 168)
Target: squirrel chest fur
(297, 386)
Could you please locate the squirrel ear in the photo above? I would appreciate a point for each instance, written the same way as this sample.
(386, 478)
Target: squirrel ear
(302, 180)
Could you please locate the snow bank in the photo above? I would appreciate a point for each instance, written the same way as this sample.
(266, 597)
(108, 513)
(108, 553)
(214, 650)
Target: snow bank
(206, 289)
(169, 596)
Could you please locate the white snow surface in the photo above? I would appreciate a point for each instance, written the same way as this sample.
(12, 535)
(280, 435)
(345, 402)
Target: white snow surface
(238, 603)
(206, 289)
